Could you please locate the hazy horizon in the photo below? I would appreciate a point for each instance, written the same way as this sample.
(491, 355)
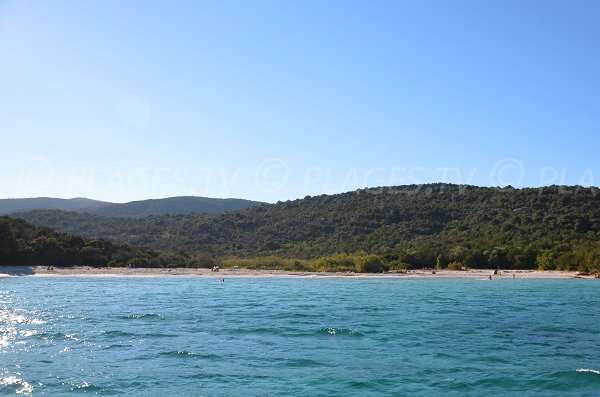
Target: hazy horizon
(284, 199)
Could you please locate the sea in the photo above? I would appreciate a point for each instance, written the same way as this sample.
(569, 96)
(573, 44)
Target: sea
(321, 336)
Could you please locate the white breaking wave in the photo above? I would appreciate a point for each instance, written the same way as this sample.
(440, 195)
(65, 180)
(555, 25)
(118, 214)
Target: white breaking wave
(595, 371)
(25, 387)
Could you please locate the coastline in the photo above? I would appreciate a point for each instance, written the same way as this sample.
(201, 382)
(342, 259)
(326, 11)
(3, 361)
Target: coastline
(85, 271)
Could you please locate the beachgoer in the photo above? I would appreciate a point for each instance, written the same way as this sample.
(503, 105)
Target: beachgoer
(514, 276)
(490, 276)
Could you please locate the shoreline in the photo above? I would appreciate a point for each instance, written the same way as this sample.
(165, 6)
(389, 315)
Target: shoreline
(85, 271)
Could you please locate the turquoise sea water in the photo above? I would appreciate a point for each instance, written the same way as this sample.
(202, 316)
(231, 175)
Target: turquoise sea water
(299, 337)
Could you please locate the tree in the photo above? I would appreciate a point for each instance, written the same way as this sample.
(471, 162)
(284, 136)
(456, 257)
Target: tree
(546, 260)
(92, 256)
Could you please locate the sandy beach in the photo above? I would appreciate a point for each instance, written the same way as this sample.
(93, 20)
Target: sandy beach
(85, 271)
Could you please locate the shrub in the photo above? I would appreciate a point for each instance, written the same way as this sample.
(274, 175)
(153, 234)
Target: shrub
(456, 266)
(269, 263)
(399, 266)
(335, 263)
(138, 262)
(369, 264)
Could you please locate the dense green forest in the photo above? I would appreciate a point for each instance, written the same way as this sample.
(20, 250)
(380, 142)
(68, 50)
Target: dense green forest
(24, 244)
(412, 226)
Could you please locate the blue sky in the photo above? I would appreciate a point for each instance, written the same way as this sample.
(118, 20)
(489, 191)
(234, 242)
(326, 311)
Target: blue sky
(275, 100)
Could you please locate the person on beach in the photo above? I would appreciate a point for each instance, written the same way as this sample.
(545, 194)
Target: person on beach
(490, 276)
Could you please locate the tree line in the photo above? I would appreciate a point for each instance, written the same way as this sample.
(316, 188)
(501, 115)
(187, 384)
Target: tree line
(24, 244)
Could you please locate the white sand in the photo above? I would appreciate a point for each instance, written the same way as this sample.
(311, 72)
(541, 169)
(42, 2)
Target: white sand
(84, 271)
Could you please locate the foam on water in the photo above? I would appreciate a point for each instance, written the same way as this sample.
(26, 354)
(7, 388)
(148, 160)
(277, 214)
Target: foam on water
(142, 316)
(594, 371)
(86, 387)
(18, 385)
(339, 331)
(178, 353)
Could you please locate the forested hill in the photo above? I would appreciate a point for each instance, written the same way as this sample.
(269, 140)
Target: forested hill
(174, 206)
(419, 225)
(8, 206)
(24, 244)
(157, 207)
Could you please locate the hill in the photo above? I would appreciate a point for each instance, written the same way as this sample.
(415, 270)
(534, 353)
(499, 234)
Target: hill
(8, 206)
(174, 206)
(171, 205)
(24, 244)
(426, 225)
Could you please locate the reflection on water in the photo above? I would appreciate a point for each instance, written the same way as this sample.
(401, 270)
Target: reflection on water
(15, 325)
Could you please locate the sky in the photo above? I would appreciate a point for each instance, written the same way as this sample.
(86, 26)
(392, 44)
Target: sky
(275, 100)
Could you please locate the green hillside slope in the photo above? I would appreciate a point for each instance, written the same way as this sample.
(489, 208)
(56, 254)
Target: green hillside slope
(553, 227)
(24, 244)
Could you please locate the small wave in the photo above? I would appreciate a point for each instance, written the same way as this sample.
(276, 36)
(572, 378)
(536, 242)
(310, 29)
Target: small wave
(87, 386)
(27, 333)
(117, 346)
(160, 335)
(339, 331)
(116, 334)
(372, 308)
(20, 386)
(594, 371)
(50, 336)
(360, 384)
(302, 362)
(147, 316)
(179, 354)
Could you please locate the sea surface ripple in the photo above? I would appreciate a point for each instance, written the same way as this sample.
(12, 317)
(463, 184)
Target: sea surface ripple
(298, 337)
